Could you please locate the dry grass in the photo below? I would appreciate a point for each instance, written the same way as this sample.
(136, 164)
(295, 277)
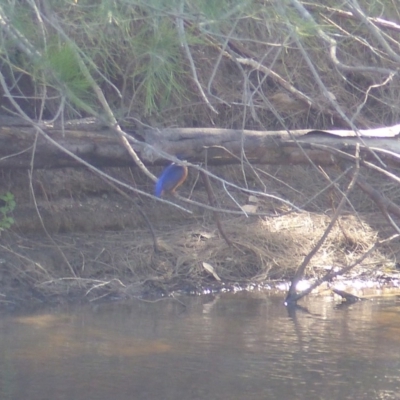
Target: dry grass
(123, 262)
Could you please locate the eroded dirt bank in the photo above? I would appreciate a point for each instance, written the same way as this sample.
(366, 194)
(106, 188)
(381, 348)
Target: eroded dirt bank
(75, 238)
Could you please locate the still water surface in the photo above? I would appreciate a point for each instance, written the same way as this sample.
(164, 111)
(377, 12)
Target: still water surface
(232, 346)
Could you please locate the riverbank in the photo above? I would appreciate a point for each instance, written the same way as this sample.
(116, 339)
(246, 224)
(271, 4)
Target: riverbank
(97, 245)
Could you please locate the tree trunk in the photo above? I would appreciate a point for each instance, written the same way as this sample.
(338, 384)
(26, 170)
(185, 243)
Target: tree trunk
(99, 145)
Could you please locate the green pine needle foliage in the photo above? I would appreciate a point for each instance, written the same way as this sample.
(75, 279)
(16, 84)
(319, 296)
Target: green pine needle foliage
(158, 64)
(7, 205)
(64, 66)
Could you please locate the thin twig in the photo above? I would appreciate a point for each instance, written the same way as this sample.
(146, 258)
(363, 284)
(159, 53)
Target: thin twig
(25, 117)
(113, 123)
(30, 171)
(316, 75)
(331, 275)
(141, 212)
(213, 202)
(374, 30)
(291, 296)
(26, 259)
(333, 44)
(383, 23)
(384, 204)
(182, 37)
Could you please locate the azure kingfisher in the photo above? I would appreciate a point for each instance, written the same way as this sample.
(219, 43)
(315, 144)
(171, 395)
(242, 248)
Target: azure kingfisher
(171, 178)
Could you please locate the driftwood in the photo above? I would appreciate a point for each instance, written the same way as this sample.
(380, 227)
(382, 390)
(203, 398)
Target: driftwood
(100, 146)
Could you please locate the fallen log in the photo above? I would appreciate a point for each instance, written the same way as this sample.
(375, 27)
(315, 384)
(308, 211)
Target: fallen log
(99, 145)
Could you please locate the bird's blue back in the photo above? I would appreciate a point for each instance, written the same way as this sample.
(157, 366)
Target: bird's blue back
(170, 178)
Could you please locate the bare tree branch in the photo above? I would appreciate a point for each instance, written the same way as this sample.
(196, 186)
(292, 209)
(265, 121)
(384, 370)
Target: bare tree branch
(291, 296)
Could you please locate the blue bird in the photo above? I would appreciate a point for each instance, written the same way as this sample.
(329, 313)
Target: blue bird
(171, 178)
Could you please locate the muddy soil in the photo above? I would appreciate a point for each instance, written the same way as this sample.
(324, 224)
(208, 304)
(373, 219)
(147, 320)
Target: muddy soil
(75, 238)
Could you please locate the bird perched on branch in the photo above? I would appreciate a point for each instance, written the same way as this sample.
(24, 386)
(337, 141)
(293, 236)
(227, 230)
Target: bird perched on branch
(171, 178)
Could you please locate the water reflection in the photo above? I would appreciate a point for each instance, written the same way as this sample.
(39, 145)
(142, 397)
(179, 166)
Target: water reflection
(233, 346)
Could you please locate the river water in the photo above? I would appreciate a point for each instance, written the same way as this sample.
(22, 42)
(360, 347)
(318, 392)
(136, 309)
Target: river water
(229, 346)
